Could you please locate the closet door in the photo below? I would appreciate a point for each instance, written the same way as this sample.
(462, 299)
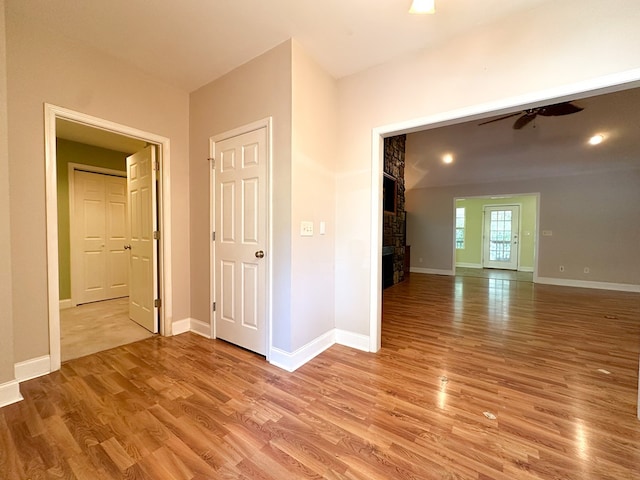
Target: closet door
(100, 267)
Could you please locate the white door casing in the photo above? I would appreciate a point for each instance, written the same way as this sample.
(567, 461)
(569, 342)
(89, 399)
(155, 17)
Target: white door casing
(240, 249)
(500, 239)
(142, 246)
(100, 267)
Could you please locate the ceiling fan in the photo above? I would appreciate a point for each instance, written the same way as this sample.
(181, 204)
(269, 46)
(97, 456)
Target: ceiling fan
(528, 115)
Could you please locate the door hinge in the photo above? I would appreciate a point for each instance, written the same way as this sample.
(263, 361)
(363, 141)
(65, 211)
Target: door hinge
(156, 166)
(156, 235)
(214, 306)
(213, 236)
(157, 303)
(213, 162)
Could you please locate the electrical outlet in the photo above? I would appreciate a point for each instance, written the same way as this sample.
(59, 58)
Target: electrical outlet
(586, 269)
(562, 268)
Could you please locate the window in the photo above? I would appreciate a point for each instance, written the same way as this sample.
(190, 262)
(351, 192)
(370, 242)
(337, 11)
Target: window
(460, 228)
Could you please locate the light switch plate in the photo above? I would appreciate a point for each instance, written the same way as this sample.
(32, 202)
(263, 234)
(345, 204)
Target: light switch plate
(306, 229)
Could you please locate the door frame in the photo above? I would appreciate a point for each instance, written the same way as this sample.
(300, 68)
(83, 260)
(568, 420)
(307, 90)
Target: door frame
(501, 106)
(73, 260)
(263, 123)
(484, 233)
(51, 114)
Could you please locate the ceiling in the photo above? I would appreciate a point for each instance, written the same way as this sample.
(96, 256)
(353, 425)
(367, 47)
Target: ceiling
(189, 43)
(548, 146)
(77, 132)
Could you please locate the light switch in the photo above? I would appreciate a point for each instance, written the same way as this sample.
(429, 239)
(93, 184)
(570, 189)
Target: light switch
(306, 229)
(323, 228)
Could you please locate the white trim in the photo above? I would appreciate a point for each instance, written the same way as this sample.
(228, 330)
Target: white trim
(66, 304)
(10, 393)
(525, 269)
(592, 86)
(51, 113)
(468, 265)
(352, 340)
(292, 361)
(181, 326)
(200, 328)
(265, 123)
(566, 282)
(32, 368)
(432, 271)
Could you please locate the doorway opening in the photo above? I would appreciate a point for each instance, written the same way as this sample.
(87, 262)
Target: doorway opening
(593, 87)
(95, 131)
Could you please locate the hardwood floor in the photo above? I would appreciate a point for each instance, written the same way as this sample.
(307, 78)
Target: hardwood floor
(495, 273)
(557, 367)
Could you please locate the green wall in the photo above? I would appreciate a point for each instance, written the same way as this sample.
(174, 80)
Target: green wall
(72, 152)
(472, 253)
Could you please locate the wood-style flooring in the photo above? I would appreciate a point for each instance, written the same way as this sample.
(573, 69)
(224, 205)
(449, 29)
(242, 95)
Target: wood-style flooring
(477, 379)
(94, 327)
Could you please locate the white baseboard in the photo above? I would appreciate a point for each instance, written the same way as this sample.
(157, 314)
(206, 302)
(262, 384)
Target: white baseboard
(525, 269)
(564, 282)
(66, 303)
(200, 328)
(181, 326)
(352, 340)
(10, 393)
(32, 368)
(292, 361)
(468, 265)
(431, 271)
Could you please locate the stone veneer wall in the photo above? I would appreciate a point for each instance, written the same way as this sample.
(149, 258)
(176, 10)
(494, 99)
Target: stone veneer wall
(394, 232)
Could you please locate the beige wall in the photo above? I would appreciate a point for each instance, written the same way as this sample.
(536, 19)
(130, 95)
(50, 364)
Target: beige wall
(314, 138)
(44, 67)
(6, 307)
(530, 52)
(258, 89)
(588, 216)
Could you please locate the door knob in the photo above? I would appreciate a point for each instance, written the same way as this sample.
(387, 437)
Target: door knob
(259, 254)
(127, 247)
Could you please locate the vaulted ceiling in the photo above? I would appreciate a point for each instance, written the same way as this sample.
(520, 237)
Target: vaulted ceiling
(189, 43)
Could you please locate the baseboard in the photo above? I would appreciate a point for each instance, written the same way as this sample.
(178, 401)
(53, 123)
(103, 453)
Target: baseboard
(10, 393)
(181, 326)
(525, 269)
(468, 265)
(564, 282)
(200, 328)
(292, 361)
(66, 303)
(432, 271)
(352, 340)
(32, 368)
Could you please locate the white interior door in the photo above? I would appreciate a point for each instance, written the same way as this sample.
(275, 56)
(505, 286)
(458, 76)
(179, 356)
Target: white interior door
(100, 265)
(500, 239)
(142, 246)
(240, 240)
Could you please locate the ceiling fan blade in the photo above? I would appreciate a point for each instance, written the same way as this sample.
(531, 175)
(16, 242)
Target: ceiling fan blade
(559, 109)
(524, 120)
(500, 118)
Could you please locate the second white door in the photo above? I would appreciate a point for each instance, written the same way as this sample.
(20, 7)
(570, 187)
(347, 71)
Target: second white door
(100, 263)
(500, 239)
(241, 239)
(143, 244)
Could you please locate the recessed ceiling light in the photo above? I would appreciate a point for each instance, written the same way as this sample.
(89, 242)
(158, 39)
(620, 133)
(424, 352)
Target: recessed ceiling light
(596, 139)
(448, 158)
(422, 7)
